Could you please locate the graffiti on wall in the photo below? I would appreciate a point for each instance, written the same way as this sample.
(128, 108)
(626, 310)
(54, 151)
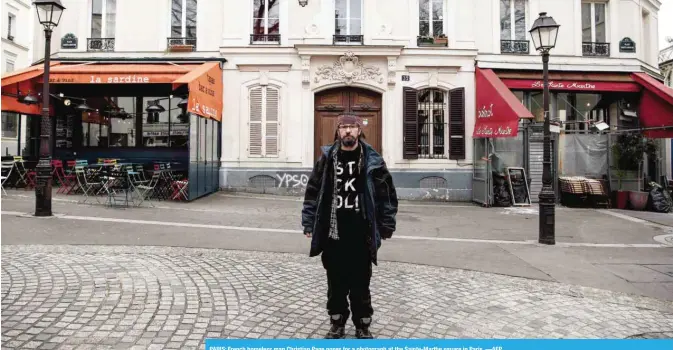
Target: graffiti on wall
(292, 180)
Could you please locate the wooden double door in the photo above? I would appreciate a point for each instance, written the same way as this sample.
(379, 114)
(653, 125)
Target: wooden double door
(329, 104)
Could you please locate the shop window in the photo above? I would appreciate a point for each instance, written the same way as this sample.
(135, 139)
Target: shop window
(183, 18)
(179, 126)
(348, 21)
(264, 121)
(123, 122)
(431, 18)
(266, 21)
(10, 122)
(579, 110)
(594, 29)
(156, 124)
(513, 31)
(94, 129)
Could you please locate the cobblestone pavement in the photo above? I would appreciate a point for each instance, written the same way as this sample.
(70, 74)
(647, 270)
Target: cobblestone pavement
(84, 297)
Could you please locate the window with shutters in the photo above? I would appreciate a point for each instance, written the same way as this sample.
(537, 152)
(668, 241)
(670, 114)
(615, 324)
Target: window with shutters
(264, 123)
(434, 123)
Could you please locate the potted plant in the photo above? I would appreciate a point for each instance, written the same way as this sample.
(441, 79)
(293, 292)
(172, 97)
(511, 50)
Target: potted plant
(629, 151)
(441, 40)
(620, 197)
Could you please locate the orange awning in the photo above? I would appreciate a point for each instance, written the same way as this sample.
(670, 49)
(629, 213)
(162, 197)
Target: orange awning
(103, 73)
(205, 90)
(25, 74)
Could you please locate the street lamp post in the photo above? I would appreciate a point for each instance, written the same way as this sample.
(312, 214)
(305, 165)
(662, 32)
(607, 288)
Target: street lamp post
(544, 33)
(49, 14)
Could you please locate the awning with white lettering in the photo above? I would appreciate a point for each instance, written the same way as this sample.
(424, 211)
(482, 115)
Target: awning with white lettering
(498, 109)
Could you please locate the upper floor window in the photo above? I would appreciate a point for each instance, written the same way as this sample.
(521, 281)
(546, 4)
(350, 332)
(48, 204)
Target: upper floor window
(594, 29)
(264, 121)
(10, 26)
(9, 66)
(513, 26)
(103, 18)
(431, 18)
(348, 21)
(183, 18)
(266, 21)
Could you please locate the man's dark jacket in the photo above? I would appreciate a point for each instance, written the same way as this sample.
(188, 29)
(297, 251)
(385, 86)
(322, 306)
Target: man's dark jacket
(379, 200)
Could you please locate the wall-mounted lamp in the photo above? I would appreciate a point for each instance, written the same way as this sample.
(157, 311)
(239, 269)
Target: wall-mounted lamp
(303, 3)
(29, 99)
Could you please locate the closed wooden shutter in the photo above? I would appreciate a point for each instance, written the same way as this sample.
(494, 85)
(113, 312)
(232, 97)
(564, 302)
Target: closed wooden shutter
(255, 123)
(457, 123)
(410, 123)
(271, 122)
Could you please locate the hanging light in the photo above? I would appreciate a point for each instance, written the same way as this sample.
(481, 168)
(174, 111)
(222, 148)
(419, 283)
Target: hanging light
(155, 108)
(29, 99)
(83, 107)
(303, 3)
(182, 103)
(49, 12)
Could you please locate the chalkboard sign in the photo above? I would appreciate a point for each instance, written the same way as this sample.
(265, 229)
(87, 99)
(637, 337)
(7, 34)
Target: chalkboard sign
(518, 186)
(627, 45)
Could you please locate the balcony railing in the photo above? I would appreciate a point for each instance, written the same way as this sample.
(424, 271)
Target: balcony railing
(181, 44)
(595, 49)
(429, 41)
(348, 39)
(100, 44)
(264, 39)
(515, 46)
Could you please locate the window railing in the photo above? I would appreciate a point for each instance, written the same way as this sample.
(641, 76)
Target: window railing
(348, 39)
(181, 44)
(595, 49)
(264, 39)
(515, 46)
(100, 44)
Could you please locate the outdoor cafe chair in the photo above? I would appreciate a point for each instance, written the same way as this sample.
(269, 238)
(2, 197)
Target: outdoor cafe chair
(146, 191)
(86, 186)
(7, 168)
(25, 175)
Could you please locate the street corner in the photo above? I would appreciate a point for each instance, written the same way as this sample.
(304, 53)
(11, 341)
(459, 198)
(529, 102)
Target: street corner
(60, 296)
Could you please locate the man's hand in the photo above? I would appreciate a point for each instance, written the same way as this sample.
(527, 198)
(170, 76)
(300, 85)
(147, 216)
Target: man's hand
(307, 234)
(385, 234)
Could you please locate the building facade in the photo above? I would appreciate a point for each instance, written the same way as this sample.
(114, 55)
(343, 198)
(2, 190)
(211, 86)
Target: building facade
(407, 67)
(17, 38)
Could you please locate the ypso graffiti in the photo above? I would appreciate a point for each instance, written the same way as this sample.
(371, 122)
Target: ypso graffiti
(292, 180)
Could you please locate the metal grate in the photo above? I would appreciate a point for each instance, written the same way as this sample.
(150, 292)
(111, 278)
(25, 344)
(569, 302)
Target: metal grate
(432, 123)
(433, 182)
(264, 39)
(262, 181)
(100, 44)
(514, 46)
(595, 49)
(348, 39)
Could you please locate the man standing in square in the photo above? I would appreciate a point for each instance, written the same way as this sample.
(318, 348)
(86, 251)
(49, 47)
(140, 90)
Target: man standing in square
(350, 204)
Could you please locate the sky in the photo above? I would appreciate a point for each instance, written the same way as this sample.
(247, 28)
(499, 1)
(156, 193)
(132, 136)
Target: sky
(665, 23)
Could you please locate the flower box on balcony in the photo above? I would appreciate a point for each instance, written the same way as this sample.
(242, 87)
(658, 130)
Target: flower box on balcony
(181, 48)
(441, 40)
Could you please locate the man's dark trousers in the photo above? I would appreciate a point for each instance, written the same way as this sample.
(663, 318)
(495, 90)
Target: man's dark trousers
(349, 270)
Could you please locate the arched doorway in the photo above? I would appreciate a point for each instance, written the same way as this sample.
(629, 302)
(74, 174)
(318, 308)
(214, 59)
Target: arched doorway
(361, 102)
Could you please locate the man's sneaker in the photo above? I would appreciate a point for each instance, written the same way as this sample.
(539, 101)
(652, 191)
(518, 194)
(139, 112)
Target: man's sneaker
(362, 329)
(338, 329)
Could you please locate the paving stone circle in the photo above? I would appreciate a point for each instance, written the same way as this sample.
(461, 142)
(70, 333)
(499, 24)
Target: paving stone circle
(85, 297)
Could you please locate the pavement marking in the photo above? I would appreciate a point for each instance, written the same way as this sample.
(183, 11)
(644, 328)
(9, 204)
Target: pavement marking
(292, 199)
(276, 230)
(622, 216)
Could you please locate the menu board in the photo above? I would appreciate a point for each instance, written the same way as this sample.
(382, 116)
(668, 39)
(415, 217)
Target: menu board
(518, 186)
(64, 128)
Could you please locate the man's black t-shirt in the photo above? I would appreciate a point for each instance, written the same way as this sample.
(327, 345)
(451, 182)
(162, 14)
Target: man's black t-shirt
(349, 216)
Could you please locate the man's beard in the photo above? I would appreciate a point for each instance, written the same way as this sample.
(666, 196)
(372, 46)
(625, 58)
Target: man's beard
(348, 141)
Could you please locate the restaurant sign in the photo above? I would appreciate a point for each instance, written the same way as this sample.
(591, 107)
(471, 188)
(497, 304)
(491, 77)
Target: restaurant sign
(101, 79)
(486, 128)
(569, 85)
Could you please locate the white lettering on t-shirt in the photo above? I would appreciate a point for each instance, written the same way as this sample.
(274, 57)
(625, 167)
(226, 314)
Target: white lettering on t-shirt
(345, 198)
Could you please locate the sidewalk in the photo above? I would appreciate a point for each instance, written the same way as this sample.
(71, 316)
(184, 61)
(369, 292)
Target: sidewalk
(88, 297)
(599, 249)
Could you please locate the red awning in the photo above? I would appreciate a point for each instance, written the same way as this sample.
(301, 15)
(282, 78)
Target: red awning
(656, 106)
(498, 109)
